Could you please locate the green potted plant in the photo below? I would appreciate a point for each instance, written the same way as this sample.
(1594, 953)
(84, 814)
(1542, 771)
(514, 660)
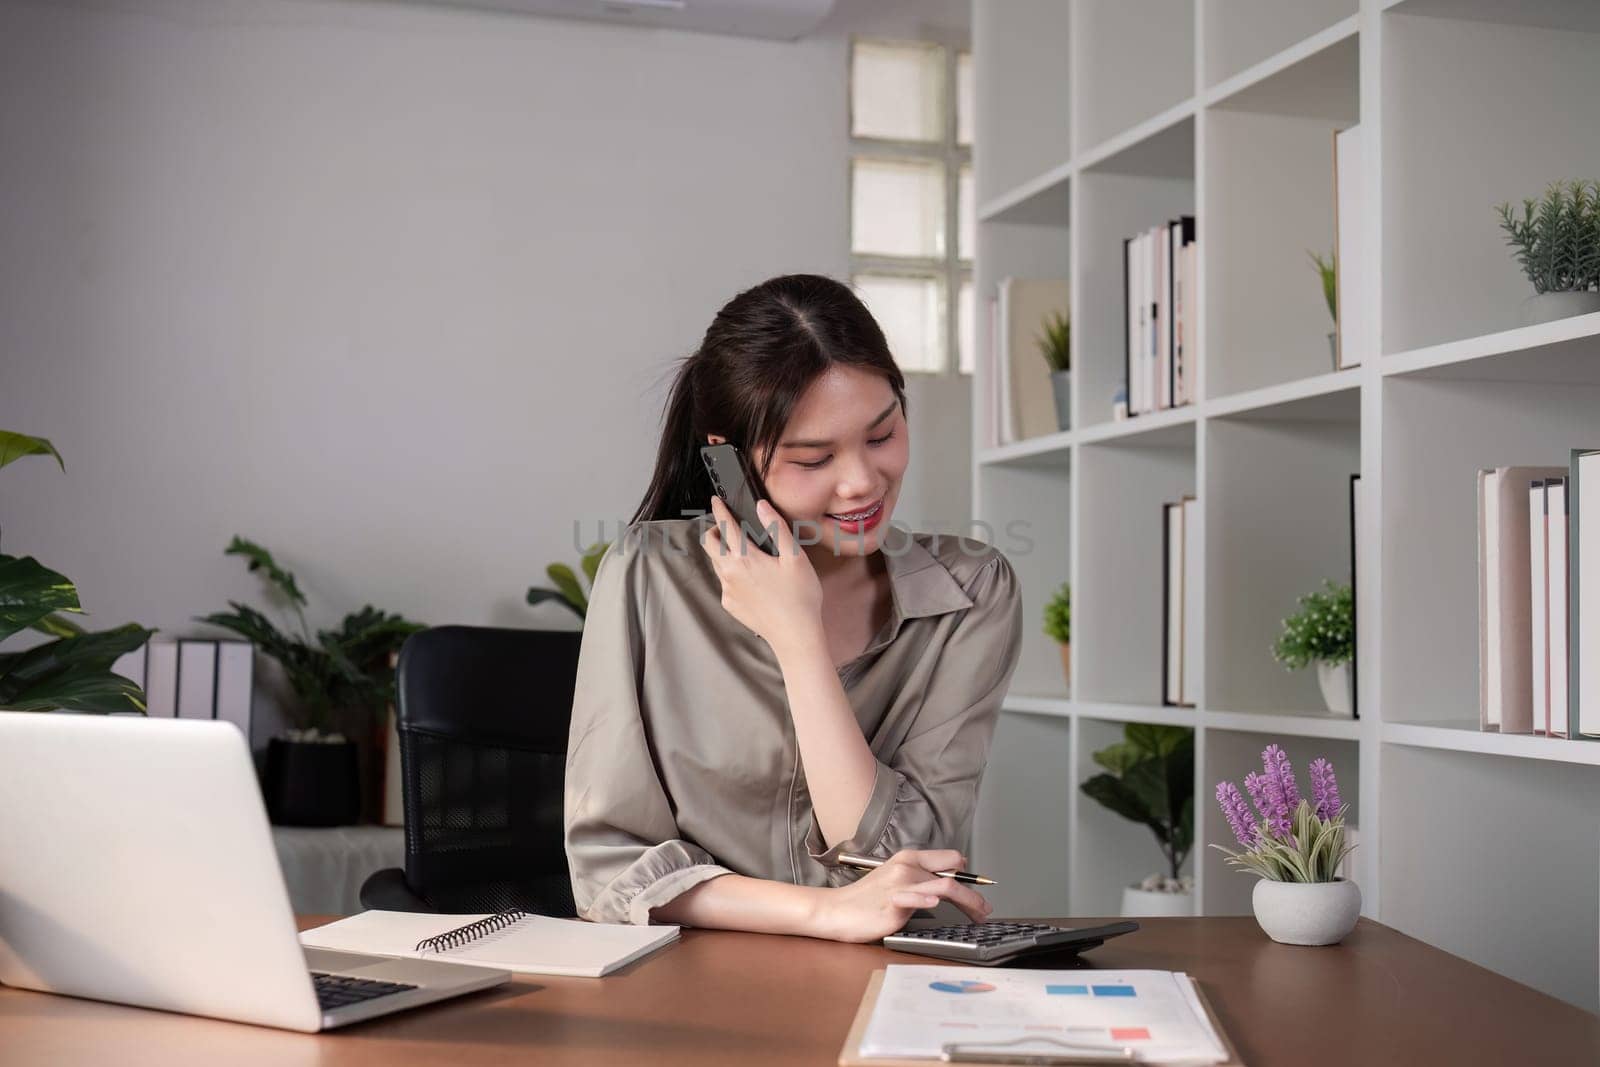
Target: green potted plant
(1557, 242)
(1058, 626)
(1323, 632)
(1055, 344)
(568, 591)
(1328, 272)
(1149, 779)
(341, 680)
(71, 672)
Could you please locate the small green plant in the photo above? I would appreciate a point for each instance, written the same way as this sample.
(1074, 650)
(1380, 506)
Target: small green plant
(73, 671)
(1328, 270)
(1058, 615)
(1055, 343)
(1557, 238)
(333, 672)
(1322, 631)
(1149, 779)
(567, 590)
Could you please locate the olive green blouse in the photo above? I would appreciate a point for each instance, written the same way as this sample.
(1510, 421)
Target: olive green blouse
(682, 763)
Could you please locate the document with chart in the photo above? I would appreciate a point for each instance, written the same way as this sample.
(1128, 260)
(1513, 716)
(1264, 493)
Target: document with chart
(1158, 1014)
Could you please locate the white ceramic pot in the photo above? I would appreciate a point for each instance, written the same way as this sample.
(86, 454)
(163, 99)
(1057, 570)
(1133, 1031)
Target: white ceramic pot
(1138, 902)
(1307, 913)
(1336, 686)
(1547, 307)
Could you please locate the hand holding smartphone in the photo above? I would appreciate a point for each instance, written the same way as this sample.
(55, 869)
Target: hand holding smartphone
(739, 488)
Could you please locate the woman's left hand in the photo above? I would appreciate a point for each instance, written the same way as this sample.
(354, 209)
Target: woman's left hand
(779, 597)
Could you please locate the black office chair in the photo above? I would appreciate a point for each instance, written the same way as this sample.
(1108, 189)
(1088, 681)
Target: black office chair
(483, 717)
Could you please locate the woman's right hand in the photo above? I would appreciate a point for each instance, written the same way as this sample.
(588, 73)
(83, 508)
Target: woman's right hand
(881, 901)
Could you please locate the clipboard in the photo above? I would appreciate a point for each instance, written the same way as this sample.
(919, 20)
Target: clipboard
(850, 1054)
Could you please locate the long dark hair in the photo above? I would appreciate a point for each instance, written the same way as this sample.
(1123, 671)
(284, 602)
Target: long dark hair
(761, 352)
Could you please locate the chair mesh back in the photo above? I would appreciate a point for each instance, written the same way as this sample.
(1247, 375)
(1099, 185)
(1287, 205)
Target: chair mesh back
(483, 717)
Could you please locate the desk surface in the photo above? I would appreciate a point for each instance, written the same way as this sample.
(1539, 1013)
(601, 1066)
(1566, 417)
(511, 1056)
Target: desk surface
(721, 997)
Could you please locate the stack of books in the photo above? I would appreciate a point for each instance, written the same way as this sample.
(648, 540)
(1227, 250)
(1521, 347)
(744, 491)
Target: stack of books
(1538, 663)
(1159, 295)
(1180, 607)
(192, 679)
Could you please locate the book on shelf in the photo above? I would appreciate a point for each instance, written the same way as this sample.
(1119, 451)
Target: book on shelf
(1159, 270)
(1538, 668)
(1539, 607)
(1583, 591)
(1027, 396)
(1505, 598)
(1352, 336)
(1180, 539)
(1555, 599)
(1357, 509)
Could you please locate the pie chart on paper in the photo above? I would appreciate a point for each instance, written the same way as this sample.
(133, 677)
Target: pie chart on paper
(961, 987)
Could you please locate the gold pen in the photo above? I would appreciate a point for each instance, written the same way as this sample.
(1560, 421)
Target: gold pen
(866, 863)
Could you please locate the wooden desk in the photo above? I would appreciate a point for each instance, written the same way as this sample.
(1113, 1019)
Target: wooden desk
(731, 998)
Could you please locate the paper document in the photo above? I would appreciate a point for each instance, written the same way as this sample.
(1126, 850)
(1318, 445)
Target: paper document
(532, 944)
(1155, 1013)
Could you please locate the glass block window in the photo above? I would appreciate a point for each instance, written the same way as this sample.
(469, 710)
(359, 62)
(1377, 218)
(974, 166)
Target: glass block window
(912, 209)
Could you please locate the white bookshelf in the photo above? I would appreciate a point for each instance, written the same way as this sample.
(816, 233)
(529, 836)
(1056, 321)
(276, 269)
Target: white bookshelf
(1103, 117)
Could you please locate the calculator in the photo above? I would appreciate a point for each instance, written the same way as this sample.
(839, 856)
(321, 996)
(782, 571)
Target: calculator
(990, 943)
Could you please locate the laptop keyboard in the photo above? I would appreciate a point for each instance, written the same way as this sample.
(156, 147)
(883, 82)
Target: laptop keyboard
(339, 990)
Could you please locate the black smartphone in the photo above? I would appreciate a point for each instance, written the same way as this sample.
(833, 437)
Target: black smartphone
(739, 488)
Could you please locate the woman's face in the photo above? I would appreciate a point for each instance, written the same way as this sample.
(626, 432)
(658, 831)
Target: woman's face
(844, 451)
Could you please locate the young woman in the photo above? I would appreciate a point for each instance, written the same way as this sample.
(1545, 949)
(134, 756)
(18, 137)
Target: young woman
(741, 719)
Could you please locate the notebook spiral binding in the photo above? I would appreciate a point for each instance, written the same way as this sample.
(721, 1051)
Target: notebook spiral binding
(462, 935)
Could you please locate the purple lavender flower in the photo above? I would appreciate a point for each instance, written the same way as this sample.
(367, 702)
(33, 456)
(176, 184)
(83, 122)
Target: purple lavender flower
(1256, 786)
(1276, 761)
(1238, 813)
(1267, 791)
(1324, 790)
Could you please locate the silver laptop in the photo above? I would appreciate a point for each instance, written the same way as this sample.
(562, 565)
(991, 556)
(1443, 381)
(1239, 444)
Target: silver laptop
(137, 866)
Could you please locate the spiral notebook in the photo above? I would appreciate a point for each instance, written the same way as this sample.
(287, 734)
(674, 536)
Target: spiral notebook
(513, 940)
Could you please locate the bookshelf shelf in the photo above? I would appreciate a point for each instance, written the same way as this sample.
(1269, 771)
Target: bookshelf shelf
(1563, 350)
(1175, 426)
(1161, 147)
(1579, 15)
(1048, 450)
(1042, 201)
(1060, 707)
(1466, 737)
(1143, 110)
(1155, 714)
(1294, 724)
(1315, 77)
(1335, 395)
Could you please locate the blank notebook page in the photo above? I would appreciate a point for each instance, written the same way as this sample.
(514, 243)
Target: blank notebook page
(534, 944)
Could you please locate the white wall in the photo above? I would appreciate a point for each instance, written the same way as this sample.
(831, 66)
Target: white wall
(393, 289)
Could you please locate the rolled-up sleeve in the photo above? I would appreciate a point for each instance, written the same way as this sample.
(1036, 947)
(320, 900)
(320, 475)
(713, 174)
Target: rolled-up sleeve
(925, 795)
(622, 841)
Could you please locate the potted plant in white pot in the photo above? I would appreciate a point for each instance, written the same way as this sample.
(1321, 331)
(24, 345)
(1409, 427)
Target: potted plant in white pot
(1296, 845)
(1149, 779)
(1323, 632)
(1055, 344)
(1557, 241)
(1058, 627)
(341, 679)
